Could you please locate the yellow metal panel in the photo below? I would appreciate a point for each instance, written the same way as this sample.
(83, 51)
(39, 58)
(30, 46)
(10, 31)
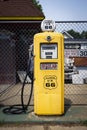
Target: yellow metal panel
(48, 100)
(48, 104)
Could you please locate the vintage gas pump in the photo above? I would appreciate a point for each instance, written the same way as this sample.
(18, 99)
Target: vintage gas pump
(48, 71)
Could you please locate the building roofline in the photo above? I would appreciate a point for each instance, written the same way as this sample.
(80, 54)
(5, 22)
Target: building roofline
(19, 8)
(67, 34)
(21, 18)
(75, 40)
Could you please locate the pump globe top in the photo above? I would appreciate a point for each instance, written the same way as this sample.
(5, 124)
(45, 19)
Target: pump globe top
(48, 25)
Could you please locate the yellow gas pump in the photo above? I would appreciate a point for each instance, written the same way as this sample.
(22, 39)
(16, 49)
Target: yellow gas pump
(48, 71)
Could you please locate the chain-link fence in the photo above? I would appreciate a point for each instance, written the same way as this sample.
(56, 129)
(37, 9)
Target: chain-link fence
(15, 39)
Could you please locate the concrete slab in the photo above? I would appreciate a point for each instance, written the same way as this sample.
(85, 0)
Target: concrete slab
(41, 127)
(73, 114)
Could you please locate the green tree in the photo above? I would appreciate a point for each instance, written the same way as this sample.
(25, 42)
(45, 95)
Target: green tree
(36, 2)
(74, 34)
(78, 35)
(84, 34)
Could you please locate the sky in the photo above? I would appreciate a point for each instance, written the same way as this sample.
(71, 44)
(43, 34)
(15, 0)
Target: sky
(65, 10)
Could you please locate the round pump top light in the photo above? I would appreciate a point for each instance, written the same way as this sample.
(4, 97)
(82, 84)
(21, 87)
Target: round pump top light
(48, 25)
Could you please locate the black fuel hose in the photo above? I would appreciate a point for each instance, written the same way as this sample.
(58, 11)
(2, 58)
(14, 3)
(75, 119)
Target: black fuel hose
(25, 107)
(21, 108)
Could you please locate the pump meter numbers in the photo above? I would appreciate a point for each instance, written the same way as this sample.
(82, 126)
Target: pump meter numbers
(50, 82)
(48, 66)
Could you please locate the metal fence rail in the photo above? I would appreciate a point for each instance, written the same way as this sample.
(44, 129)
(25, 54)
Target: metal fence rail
(78, 26)
(15, 39)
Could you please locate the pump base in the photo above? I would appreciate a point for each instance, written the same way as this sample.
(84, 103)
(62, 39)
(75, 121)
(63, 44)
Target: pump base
(48, 104)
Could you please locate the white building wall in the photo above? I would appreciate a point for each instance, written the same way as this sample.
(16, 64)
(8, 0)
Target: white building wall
(79, 78)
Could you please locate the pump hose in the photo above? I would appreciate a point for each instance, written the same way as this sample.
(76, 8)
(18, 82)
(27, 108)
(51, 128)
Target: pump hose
(21, 108)
(25, 107)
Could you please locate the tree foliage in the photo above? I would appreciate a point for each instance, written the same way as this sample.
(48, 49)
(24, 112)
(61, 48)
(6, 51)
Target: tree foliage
(39, 6)
(84, 34)
(78, 35)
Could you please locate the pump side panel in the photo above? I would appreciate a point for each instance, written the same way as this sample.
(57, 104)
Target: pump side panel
(48, 100)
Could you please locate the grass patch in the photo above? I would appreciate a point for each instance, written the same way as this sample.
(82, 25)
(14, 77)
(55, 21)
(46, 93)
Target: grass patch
(84, 123)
